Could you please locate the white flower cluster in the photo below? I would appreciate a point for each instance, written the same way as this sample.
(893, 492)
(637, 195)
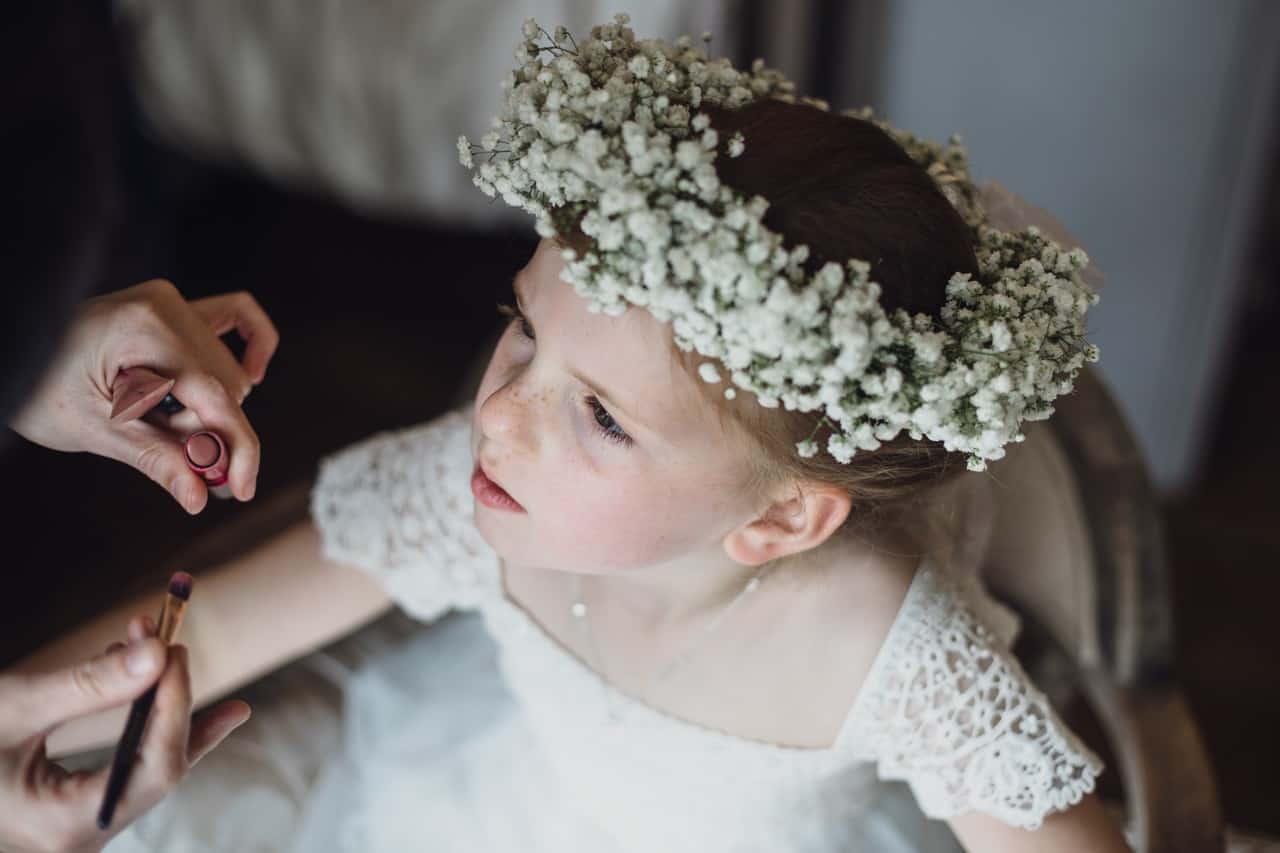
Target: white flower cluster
(607, 138)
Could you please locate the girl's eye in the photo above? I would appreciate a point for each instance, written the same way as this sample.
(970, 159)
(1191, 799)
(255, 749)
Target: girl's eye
(517, 316)
(605, 424)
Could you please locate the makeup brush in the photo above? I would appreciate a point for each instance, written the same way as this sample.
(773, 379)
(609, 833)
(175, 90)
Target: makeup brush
(175, 604)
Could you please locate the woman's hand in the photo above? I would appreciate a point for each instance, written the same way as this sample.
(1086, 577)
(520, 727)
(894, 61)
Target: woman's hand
(44, 807)
(151, 325)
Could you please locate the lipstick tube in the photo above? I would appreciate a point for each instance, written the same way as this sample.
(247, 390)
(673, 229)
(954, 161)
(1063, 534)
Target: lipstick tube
(207, 455)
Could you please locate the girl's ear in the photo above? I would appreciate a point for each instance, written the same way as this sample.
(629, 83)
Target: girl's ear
(790, 525)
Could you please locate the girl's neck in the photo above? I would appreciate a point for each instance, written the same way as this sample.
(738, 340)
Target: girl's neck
(672, 594)
(697, 589)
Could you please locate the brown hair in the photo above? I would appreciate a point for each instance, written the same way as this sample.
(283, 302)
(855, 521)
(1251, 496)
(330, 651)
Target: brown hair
(846, 189)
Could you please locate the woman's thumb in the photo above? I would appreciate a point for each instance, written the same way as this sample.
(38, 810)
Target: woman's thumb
(160, 457)
(48, 699)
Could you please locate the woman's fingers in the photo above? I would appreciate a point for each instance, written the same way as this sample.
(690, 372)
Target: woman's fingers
(211, 727)
(219, 411)
(181, 342)
(158, 454)
(32, 704)
(140, 627)
(173, 743)
(240, 311)
(122, 350)
(162, 756)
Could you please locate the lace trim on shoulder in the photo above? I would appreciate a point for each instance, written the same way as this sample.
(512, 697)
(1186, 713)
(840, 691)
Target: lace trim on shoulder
(947, 709)
(399, 506)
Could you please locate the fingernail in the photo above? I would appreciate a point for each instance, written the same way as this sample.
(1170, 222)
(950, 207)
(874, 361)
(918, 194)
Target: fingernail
(181, 493)
(185, 494)
(139, 661)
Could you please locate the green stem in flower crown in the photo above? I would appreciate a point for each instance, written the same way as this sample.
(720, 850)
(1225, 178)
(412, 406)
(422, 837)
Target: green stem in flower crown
(554, 47)
(823, 421)
(998, 356)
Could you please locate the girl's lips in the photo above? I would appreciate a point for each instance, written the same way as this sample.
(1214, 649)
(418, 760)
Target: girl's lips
(490, 494)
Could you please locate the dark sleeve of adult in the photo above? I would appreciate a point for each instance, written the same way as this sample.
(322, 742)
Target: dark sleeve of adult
(57, 165)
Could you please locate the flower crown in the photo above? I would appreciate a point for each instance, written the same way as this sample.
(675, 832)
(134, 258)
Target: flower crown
(606, 137)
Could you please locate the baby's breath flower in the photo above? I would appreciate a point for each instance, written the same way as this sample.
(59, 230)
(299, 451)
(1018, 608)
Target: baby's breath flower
(608, 135)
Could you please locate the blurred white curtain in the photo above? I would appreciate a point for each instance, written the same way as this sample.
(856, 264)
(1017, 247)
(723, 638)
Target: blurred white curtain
(360, 100)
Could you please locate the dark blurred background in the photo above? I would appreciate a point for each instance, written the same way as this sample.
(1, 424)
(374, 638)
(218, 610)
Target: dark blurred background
(304, 151)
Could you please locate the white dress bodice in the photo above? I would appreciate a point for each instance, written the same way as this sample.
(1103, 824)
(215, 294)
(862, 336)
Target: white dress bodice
(945, 708)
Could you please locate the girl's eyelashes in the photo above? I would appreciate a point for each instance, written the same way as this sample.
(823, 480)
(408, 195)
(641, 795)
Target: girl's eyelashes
(604, 423)
(517, 316)
(601, 420)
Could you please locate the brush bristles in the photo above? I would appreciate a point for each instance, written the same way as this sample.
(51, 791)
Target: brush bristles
(180, 585)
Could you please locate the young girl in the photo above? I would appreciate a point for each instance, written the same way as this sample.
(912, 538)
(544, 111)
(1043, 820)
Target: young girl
(757, 342)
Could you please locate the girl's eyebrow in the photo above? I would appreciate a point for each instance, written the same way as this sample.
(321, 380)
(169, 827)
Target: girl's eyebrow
(516, 287)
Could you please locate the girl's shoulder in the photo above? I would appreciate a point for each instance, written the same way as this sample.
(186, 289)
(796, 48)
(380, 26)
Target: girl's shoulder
(398, 504)
(857, 602)
(947, 708)
(833, 619)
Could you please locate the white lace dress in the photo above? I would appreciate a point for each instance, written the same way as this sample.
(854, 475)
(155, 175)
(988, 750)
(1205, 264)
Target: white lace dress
(486, 734)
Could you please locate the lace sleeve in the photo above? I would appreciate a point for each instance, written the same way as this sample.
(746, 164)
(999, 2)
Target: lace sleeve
(399, 505)
(949, 710)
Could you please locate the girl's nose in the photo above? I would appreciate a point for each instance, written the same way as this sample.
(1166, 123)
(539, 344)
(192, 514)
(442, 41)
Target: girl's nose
(507, 417)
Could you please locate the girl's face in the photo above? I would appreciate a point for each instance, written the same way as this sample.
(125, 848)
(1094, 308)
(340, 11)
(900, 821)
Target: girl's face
(598, 434)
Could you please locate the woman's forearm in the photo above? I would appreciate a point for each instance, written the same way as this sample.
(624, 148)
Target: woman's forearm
(248, 616)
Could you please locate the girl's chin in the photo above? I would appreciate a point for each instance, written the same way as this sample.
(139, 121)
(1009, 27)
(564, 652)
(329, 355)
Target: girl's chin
(494, 529)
